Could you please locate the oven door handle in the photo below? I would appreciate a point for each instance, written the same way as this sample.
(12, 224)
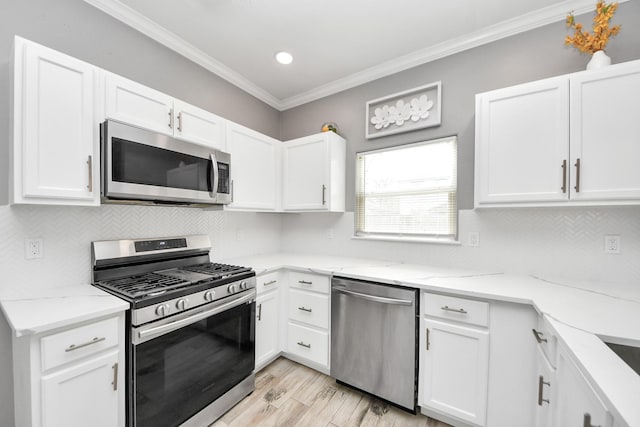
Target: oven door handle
(144, 335)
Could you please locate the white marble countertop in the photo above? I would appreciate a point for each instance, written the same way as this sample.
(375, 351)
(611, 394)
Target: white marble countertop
(31, 310)
(584, 313)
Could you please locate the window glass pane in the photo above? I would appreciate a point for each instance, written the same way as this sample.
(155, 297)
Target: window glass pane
(408, 190)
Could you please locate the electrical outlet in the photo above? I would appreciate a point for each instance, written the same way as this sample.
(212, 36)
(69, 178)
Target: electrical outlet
(330, 234)
(612, 244)
(473, 239)
(239, 234)
(33, 248)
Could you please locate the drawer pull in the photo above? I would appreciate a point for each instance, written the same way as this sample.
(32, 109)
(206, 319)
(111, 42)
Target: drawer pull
(308, 310)
(587, 420)
(305, 282)
(75, 347)
(539, 336)
(455, 310)
(271, 282)
(302, 344)
(542, 383)
(115, 377)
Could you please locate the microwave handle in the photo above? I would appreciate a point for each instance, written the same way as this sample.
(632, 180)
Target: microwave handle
(214, 174)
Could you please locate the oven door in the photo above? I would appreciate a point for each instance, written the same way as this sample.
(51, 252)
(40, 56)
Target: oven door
(143, 165)
(182, 364)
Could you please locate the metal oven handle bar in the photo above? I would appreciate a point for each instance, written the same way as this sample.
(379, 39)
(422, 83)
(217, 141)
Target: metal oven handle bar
(374, 298)
(169, 327)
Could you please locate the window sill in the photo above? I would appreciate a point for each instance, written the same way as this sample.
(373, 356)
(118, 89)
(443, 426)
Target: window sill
(408, 239)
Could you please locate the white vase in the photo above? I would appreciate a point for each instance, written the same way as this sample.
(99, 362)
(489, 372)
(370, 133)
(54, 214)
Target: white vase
(599, 59)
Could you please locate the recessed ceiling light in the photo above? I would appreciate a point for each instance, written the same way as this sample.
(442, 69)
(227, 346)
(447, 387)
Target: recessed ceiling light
(284, 58)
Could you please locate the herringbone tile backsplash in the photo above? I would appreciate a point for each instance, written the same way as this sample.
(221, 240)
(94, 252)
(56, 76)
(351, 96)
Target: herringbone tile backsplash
(552, 242)
(67, 233)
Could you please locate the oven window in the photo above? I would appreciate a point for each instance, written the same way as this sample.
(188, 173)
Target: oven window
(180, 373)
(135, 163)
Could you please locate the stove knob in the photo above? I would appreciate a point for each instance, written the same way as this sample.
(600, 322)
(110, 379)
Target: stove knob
(243, 285)
(231, 289)
(208, 296)
(162, 310)
(182, 303)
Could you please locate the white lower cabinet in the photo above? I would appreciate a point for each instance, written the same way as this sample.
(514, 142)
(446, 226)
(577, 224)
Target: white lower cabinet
(456, 369)
(267, 327)
(546, 391)
(71, 377)
(577, 403)
(85, 394)
(308, 343)
(308, 310)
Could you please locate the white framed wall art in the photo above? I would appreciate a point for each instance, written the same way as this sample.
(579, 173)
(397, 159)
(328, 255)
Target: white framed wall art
(413, 109)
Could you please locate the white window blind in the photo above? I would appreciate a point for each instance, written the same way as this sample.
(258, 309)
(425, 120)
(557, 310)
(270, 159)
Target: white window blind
(408, 190)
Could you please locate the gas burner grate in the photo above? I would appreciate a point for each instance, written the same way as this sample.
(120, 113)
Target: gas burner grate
(219, 271)
(143, 284)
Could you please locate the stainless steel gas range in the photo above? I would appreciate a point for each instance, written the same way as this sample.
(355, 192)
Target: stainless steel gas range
(191, 328)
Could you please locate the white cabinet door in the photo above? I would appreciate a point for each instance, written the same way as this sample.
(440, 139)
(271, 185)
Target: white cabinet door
(455, 371)
(522, 143)
(575, 398)
(255, 164)
(314, 173)
(305, 175)
(83, 395)
(198, 125)
(267, 327)
(605, 133)
(55, 129)
(133, 103)
(546, 396)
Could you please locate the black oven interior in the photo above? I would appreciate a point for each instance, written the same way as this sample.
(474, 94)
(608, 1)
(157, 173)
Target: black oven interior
(181, 372)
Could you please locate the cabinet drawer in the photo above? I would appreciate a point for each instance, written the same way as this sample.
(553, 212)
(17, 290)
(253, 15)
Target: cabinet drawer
(267, 282)
(309, 281)
(458, 309)
(309, 343)
(546, 340)
(76, 343)
(309, 308)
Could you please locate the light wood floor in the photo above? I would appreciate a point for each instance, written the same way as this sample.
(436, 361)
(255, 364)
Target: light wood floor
(289, 394)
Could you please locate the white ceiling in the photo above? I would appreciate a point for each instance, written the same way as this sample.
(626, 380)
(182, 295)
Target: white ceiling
(336, 44)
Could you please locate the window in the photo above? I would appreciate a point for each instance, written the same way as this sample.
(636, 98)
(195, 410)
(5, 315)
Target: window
(408, 191)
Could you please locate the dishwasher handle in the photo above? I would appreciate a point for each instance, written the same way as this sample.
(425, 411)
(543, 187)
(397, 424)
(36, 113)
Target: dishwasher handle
(383, 300)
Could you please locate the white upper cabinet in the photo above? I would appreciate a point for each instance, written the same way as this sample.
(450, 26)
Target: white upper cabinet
(139, 105)
(136, 104)
(522, 143)
(314, 173)
(569, 139)
(55, 130)
(605, 133)
(198, 125)
(255, 169)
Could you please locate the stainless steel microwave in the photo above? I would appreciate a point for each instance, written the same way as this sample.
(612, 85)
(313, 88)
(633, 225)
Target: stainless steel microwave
(144, 166)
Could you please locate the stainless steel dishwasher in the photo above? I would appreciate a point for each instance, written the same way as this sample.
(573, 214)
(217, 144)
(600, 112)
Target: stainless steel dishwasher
(374, 344)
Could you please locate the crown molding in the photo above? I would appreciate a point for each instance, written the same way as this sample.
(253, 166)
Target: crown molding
(532, 20)
(504, 29)
(163, 36)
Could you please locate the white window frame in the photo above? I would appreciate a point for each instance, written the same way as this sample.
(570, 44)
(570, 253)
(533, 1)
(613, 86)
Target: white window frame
(409, 237)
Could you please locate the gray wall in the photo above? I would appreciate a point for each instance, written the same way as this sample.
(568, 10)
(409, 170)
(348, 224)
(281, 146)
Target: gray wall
(533, 55)
(82, 31)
